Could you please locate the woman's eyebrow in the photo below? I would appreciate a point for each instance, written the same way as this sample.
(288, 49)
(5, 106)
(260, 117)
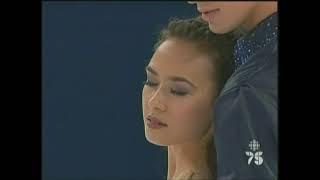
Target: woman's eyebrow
(181, 79)
(148, 68)
(172, 78)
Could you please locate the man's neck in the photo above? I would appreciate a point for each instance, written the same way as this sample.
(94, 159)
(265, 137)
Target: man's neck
(259, 13)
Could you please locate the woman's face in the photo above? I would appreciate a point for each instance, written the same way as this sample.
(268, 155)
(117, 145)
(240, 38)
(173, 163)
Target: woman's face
(179, 93)
(224, 16)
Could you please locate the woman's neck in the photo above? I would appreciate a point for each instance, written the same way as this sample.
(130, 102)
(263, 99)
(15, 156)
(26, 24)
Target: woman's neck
(198, 157)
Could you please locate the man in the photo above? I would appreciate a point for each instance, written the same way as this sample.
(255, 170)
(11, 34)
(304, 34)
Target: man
(246, 134)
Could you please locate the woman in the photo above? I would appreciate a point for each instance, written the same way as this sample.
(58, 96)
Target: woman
(189, 67)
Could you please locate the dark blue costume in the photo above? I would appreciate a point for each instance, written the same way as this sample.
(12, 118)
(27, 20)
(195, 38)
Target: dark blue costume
(246, 112)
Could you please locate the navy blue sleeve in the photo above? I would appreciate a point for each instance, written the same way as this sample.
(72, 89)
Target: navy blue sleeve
(246, 134)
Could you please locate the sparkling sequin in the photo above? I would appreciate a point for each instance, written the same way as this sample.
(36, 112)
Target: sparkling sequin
(265, 33)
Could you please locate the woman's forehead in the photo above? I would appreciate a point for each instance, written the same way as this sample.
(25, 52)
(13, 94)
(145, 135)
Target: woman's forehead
(179, 52)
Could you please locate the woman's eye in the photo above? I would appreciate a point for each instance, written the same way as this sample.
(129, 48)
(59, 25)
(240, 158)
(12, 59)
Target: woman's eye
(178, 93)
(150, 83)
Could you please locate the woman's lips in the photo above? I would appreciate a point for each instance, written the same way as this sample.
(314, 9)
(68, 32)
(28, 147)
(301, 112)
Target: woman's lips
(155, 123)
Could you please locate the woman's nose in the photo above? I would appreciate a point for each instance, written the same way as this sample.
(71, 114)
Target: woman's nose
(155, 102)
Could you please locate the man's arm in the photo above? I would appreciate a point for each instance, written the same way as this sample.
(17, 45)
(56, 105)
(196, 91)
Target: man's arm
(246, 134)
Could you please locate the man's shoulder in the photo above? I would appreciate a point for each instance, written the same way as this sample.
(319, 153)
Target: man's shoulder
(260, 70)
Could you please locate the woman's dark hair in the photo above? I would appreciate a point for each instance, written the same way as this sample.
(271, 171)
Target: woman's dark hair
(219, 47)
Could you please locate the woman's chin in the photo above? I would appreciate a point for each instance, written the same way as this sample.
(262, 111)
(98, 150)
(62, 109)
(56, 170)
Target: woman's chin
(156, 141)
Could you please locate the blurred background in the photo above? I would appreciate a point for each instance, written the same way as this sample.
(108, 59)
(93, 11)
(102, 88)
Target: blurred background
(93, 59)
